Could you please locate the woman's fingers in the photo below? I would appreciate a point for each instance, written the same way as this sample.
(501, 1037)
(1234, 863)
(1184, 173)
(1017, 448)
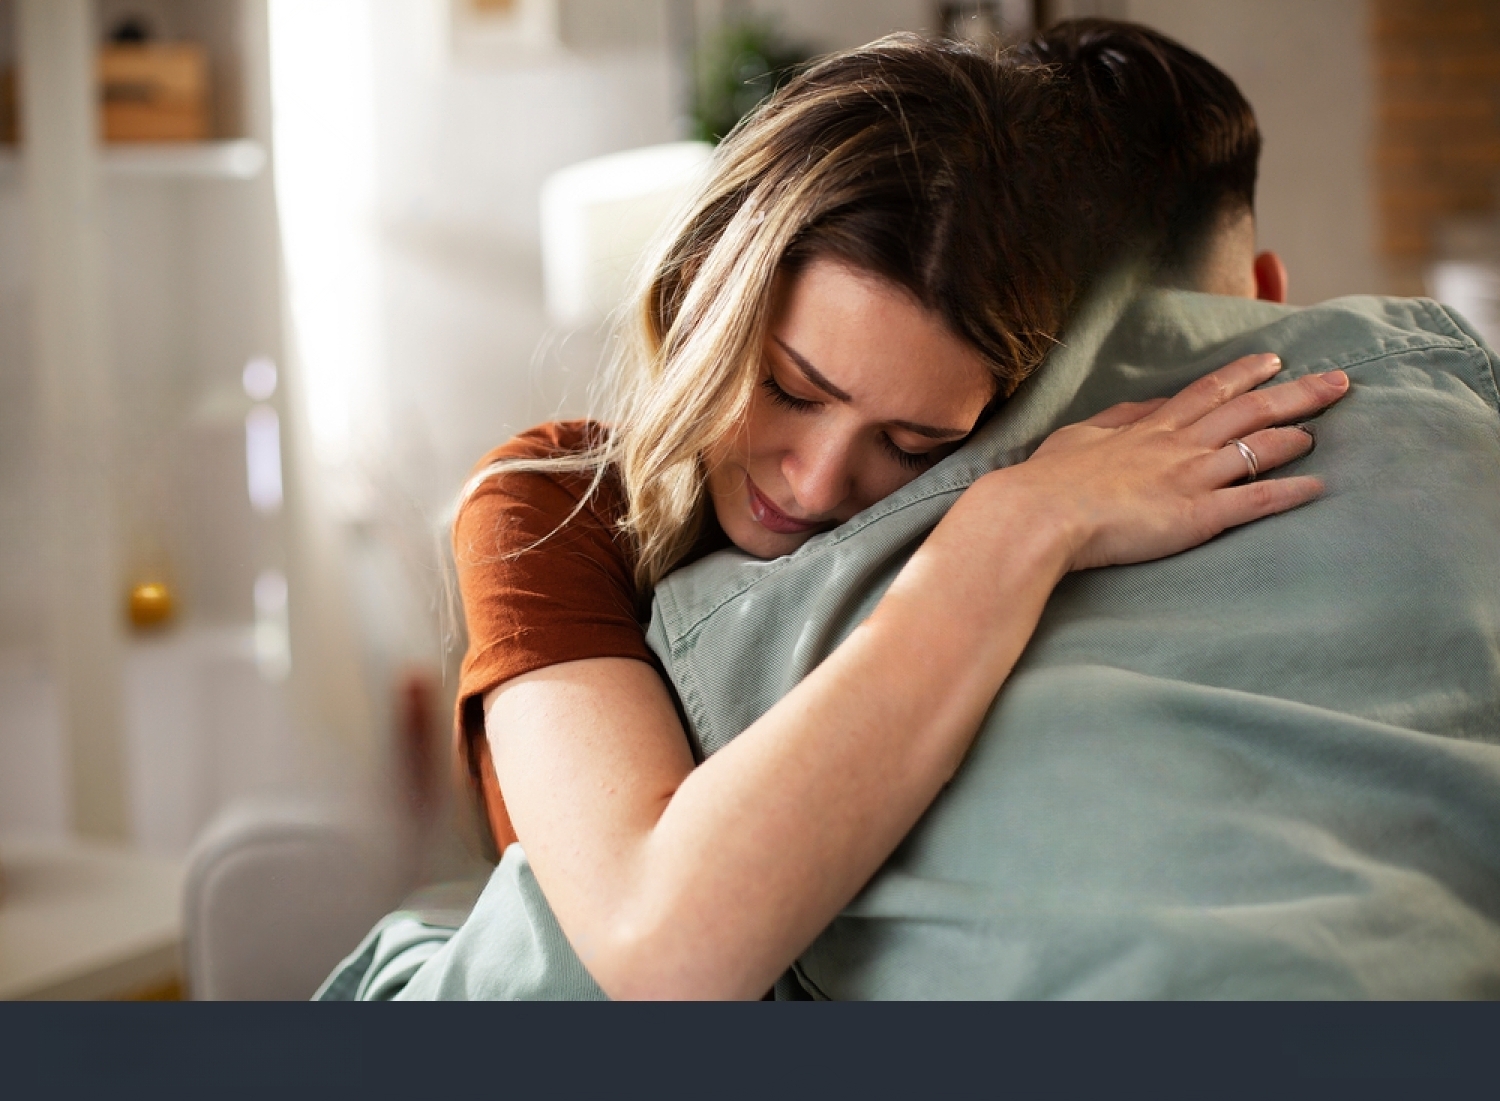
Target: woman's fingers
(1127, 412)
(1229, 508)
(1153, 479)
(1255, 499)
(1289, 401)
(1268, 449)
(1217, 388)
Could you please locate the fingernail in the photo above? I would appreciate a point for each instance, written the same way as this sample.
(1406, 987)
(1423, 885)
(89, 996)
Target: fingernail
(1312, 436)
(1337, 377)
(1273, 361)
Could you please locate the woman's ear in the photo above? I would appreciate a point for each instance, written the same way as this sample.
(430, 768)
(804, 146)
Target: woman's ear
(1270, 277)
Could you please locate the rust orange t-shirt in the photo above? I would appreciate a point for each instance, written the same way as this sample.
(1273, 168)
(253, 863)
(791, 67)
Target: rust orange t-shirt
(539, 588)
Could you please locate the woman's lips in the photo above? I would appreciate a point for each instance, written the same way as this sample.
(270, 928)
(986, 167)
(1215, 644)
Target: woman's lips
(772, 518)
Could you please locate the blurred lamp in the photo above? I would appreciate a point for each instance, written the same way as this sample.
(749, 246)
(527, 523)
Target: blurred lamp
(1472, 287)
(600, 216)
(1466, 274)
(259, 378)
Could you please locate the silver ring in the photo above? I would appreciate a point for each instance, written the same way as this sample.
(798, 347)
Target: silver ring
(1251, 464)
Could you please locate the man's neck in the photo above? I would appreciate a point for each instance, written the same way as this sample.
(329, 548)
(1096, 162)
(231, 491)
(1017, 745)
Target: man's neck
(1227, 264)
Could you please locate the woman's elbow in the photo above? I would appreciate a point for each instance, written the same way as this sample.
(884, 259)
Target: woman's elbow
(643, 959)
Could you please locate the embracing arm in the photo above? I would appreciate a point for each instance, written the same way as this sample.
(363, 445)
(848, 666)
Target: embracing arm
(675, 881)
(681, 882)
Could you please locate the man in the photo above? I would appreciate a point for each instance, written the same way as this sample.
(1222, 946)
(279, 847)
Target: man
(1268, 767)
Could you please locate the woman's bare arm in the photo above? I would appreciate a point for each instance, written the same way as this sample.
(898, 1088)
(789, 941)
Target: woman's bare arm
(672, 881)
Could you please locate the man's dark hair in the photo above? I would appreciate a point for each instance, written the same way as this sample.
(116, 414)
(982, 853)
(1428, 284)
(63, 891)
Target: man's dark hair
(1180, 127)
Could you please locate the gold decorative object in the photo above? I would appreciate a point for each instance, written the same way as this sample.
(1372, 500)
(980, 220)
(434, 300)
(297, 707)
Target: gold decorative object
(150, 604)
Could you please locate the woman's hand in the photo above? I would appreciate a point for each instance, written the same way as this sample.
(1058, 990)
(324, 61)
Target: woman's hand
(1142, 481)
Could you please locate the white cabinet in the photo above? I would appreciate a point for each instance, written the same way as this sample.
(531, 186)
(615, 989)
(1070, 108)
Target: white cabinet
(136, 283)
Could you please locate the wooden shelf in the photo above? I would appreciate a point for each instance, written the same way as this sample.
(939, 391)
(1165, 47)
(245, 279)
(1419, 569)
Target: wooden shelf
(210, 160)
(241, 159)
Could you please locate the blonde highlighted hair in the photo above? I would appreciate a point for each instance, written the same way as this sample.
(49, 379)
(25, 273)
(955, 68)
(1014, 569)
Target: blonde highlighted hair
(937, 166)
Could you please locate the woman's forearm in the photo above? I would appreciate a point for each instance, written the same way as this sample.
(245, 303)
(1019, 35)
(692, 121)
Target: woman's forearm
(850, 759)
(759, 848)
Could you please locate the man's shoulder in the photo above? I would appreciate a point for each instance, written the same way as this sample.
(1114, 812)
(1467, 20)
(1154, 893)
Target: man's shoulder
(1210, 315)
(1188, 327)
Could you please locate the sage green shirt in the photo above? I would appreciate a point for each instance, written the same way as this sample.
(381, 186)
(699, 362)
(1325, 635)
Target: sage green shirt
(1267, 767)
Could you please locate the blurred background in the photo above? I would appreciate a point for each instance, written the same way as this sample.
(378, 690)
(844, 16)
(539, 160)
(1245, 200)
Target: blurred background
(274, 274)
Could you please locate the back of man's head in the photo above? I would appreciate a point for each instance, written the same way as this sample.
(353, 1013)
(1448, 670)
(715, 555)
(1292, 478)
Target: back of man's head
(1185, 132)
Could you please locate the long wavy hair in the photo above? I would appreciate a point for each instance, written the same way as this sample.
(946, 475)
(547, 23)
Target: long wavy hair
(933, 165)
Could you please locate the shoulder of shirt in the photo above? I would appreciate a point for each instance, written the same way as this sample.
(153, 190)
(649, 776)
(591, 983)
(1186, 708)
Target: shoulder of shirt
(547, 441)
(551, 491)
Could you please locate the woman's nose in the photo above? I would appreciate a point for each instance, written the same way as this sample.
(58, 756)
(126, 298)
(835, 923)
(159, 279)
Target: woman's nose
(820, 479)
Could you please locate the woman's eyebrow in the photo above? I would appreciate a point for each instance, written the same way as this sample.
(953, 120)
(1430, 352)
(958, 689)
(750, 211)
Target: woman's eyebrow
(815, 377)
(932, 433)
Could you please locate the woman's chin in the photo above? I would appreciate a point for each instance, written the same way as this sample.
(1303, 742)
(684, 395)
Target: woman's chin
(766, 544)
(758, 541)
(734, 505)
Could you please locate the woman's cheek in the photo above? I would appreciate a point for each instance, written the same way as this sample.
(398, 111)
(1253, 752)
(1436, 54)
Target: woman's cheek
(767, 431)
(884, 476)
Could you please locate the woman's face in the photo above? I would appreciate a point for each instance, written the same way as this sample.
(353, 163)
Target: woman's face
(860, 390)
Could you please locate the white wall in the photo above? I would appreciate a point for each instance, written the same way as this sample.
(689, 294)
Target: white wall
(462, 149)
(844, 24)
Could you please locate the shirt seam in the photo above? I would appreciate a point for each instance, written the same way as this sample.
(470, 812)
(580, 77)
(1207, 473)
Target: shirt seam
(1444, 315)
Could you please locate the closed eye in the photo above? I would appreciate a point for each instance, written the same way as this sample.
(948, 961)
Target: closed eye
(911, 460)
(785, 400)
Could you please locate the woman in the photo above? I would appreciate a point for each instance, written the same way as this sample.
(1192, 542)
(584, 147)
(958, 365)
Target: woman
(884, 252)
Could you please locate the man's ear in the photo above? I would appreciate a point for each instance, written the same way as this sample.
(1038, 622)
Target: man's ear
(1270, 277)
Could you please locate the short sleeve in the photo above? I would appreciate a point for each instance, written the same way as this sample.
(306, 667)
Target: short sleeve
(543, 581)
